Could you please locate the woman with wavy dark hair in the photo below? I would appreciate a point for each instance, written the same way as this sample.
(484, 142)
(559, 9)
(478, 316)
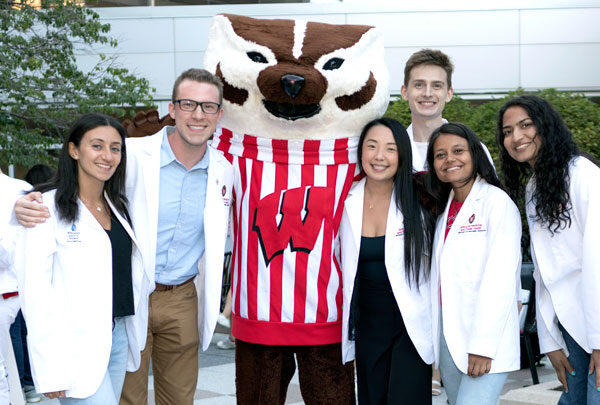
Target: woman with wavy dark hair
(80, 273)
(385, 236)
(562, 198)
(475, 267)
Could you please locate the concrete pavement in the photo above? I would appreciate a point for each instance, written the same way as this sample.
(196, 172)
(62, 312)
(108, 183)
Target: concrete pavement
(216, 379)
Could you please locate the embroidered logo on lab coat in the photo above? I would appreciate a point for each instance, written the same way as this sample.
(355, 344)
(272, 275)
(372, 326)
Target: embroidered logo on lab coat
(472, 227)
(73, 235)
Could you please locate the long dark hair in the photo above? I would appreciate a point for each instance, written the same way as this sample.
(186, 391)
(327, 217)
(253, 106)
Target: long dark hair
(551, 168)
(481, 164)
(65, 180)
(418, 222)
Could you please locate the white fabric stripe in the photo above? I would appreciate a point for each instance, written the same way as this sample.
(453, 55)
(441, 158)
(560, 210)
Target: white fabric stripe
(299, 32)
(332, 287)
(244, 215)
(265, 152)
(263, 280)
(312, 277)
(288, 283)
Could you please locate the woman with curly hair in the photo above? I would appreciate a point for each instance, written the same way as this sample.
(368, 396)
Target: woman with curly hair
(475, 266)
(562, 198)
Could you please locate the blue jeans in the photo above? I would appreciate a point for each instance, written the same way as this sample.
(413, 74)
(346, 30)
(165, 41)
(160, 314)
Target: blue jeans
(110, 388)
(582, 386)
(18, 335)
(464, 390)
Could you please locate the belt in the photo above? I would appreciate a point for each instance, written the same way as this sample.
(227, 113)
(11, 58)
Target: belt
(165, 287)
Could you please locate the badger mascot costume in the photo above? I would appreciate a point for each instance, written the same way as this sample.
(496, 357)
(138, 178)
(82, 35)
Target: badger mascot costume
(296, 96)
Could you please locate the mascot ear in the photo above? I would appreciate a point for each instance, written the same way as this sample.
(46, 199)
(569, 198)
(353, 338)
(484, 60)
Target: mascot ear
(146, 123)
(420, 182)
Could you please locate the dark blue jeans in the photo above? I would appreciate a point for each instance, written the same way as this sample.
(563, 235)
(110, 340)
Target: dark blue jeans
(18, 335)
(582, 386)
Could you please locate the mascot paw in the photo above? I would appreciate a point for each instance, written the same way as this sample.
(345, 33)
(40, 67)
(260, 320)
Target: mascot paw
(146, 123)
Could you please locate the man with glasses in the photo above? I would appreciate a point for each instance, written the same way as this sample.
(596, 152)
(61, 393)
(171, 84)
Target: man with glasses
(179, 193)
(187, 210)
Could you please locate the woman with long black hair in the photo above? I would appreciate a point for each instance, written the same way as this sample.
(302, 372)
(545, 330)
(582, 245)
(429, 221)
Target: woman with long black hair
(475, 269)
(542, 162)
(81, 274)
(385, 236)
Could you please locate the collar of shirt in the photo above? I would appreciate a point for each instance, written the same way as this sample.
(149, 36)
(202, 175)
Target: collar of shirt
(167, 156)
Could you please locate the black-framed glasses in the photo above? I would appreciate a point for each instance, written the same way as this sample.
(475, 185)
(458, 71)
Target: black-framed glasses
(207, 107)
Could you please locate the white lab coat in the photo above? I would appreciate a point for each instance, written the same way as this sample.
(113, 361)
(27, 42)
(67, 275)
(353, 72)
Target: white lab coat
(478, 266)
(65, 286)
(143, 175)
(12, 189)
(414, 302)
(567, 264)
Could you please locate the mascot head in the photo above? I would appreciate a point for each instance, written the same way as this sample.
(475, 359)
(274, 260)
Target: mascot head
(292, 79)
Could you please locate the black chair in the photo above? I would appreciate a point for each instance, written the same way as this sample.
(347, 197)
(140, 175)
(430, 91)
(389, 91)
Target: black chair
(529, 332)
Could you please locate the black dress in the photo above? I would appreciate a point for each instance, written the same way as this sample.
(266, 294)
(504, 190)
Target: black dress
(389, 368)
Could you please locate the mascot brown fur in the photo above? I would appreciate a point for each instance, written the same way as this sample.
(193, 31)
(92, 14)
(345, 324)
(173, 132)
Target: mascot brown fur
(296, 96)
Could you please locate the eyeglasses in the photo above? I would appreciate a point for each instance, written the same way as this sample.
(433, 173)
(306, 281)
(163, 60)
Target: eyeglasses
(207, 107)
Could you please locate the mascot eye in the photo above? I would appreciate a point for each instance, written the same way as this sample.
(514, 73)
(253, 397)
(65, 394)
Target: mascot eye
(257, 57)
(333, 64)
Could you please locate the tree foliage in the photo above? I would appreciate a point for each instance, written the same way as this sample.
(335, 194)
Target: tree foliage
(581, 115)
(42, 85)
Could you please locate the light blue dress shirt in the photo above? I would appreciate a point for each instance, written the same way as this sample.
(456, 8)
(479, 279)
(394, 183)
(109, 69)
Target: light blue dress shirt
(181, 200)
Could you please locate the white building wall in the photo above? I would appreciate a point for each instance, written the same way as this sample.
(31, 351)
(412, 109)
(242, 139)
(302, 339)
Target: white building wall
(496, 46)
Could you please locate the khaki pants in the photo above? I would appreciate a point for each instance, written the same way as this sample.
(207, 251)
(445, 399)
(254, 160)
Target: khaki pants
(173, 345)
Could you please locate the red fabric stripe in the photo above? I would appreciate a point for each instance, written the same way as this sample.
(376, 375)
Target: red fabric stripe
(340, 207)
(253, 248)
(238, 222)
(340, 155)
(286, 333)
(235, 257)
(276, 265)
(307, 179)
(250, 147)
(225, 143)
(311, 153)
(337, 217)
(325, 265)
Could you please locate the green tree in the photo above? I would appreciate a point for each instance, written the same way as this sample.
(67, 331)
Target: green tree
(43, 88)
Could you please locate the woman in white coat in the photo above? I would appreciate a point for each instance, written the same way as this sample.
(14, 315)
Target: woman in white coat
(475, 268)
(80, 273)
(385, 240)
(541, 161)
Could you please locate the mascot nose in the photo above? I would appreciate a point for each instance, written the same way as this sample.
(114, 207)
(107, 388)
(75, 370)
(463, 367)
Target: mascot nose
(292, 84)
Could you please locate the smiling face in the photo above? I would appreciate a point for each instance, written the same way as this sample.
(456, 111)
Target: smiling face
(452, 160)
(379, 158)
(427, 92)
(521, 139)
(195, 128)
(98, 154)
